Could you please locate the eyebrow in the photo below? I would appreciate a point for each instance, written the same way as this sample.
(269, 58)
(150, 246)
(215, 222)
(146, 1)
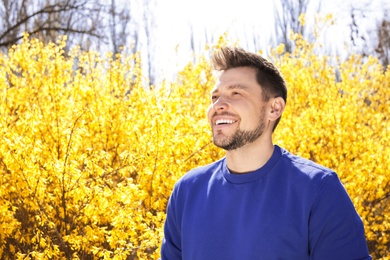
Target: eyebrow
(237, 86)
(232, 87)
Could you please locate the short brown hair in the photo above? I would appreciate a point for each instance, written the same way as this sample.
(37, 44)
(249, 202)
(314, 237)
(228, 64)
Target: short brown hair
(267, 75)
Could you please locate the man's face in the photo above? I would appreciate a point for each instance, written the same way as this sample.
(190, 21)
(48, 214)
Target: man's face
(237, 112)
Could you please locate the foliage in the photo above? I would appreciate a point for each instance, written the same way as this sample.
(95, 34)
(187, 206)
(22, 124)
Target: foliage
(89, 154)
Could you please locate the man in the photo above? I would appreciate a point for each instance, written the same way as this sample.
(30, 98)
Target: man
(260, 201)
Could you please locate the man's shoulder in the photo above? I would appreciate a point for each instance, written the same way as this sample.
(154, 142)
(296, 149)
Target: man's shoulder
(307, 167)
(201, 172)
(305, 175)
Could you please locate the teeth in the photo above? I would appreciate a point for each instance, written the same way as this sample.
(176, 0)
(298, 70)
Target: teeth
(224, 121)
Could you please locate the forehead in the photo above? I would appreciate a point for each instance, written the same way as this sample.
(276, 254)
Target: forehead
(242, 77)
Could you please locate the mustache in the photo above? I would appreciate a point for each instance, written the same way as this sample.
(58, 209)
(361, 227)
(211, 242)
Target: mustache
(224, 113)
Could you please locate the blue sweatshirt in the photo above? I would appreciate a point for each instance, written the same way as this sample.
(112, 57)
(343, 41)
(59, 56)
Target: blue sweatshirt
(291, 208)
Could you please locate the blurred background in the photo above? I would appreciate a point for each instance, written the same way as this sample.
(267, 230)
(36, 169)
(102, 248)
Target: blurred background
(171, 33)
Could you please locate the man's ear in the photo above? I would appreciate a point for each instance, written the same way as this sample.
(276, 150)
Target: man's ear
(277, 108)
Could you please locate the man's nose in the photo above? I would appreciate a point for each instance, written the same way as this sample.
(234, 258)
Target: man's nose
(220, 104)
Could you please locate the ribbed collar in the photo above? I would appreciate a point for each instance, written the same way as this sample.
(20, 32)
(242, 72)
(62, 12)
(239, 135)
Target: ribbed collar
(255, 175)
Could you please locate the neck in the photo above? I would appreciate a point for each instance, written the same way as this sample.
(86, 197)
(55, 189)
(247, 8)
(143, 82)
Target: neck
(250, 157)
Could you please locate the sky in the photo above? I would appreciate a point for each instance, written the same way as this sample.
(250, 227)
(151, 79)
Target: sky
(206, 20)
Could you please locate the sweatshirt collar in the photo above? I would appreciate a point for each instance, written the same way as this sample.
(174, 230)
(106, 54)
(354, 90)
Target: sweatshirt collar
(254, 175)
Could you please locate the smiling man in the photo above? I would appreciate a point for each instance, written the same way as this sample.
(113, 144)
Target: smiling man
(260, 201)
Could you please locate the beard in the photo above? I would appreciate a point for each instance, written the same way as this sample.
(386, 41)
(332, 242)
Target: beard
(239, 138)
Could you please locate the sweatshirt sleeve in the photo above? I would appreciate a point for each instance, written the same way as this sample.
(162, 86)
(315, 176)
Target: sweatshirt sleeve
(336, 230)
(171, 244)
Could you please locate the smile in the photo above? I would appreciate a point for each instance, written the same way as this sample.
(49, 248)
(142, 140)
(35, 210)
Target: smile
(224, 122)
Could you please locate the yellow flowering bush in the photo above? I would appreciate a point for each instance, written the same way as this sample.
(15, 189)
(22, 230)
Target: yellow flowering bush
(89, 154)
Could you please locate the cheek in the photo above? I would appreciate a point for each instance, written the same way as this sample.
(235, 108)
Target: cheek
(209, 112)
